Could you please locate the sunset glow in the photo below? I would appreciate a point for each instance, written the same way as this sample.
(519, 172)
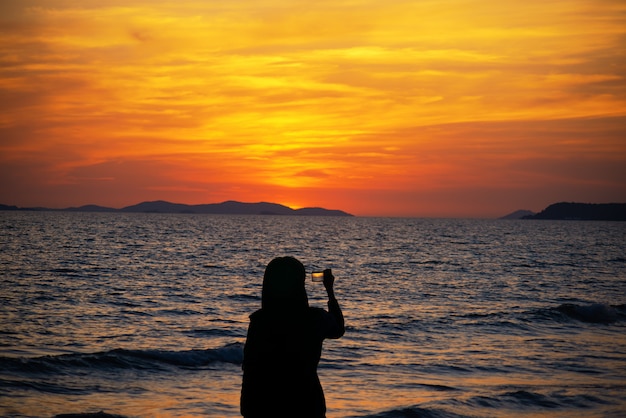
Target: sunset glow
(396, 108)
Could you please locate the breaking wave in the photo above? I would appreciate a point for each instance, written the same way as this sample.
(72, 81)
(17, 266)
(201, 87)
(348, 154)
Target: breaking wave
(593, 313)
(157, 360)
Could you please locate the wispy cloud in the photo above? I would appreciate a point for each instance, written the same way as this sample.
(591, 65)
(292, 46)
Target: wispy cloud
(345, 95)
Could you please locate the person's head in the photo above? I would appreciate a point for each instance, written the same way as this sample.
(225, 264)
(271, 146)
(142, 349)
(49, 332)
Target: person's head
(283, 285)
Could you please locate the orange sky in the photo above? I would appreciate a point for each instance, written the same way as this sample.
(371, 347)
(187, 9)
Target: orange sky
(395, 108)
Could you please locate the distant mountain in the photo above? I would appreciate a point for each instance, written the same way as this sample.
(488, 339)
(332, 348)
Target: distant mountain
(7, 207)
(239, 208)
(90, 208)
(159, 206)
(518, 214)
(230, 207)
(320, 212)
(583, 212)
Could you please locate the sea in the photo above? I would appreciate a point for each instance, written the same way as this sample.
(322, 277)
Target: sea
(145, 315)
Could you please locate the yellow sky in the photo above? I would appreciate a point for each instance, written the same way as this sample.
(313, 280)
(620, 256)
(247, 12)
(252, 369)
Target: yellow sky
(402, 108)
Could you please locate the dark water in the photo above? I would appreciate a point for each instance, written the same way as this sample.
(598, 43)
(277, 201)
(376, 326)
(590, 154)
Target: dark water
(145, 314)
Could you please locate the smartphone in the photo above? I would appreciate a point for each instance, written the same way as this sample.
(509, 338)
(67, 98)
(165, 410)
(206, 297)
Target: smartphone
(318, 275)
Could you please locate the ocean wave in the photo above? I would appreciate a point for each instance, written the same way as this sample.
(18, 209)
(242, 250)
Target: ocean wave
(591, 313)
(519, 400)
(514, 321)
(214, 332)
(597, 313)
(117, 359)
(527, 400)
(415, 412)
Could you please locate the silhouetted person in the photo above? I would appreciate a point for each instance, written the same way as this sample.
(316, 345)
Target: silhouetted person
(284, 345)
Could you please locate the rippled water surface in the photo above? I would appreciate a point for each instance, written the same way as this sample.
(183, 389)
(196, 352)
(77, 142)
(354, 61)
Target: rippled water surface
(146, 314)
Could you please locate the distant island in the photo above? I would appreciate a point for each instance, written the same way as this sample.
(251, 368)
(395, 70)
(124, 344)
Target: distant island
(576, 211)
(583, 212)
(518, 214)
(230, 207)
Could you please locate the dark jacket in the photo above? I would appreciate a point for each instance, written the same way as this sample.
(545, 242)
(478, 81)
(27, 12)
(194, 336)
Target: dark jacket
(281, 355)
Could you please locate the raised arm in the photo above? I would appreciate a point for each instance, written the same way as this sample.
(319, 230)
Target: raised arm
(333, 305)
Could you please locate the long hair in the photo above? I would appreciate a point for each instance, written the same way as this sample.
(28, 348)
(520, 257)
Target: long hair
(283, 285)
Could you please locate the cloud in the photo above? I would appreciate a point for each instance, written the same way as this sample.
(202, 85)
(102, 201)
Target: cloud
(346, 95)
(313, 173)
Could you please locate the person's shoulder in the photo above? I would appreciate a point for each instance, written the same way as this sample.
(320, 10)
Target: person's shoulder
(256, 315)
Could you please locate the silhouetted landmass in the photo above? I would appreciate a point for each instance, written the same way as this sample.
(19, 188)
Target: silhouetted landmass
(230, 207)
(7, 207)
(518, 214)
(318, 211)
(159, 206)
(90, 208)
(225, 208)
(583, 212)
